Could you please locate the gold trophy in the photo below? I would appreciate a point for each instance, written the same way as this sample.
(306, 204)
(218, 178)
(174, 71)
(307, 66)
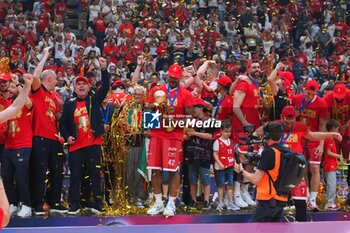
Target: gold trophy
(160, 101)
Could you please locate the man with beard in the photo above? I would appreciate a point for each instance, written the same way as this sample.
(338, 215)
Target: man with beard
(246, 108)
(312, 111)
(338, 102)
(165, 148)
(4, 103)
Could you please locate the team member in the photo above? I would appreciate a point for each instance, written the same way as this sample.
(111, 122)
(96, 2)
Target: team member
(312, 111)
(82, 127)
(165, 148)
(4, 103)
(47, 151)
(15, 162)
(246, 109)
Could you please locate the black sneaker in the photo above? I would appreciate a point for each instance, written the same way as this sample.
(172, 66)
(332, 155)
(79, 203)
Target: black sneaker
(58, 208)
(97, 208)
(207, 206)
(74, 209)
(39, 210)
(192, 205)
(86, 206)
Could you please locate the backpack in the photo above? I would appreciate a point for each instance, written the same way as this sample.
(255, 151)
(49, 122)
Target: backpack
(291, 172)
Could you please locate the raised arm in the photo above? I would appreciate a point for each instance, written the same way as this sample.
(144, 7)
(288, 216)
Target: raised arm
(272, 78)
(39, 68)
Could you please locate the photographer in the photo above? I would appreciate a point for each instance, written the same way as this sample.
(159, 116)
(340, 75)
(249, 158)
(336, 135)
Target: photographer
(270, 206)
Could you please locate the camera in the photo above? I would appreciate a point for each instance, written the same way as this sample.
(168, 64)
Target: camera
(251, 142)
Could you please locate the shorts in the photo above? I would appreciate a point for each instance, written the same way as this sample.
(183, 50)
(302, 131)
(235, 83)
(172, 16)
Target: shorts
(310, 153)
(164, 154)
(299, 192)
(194, 170)
(224, 177)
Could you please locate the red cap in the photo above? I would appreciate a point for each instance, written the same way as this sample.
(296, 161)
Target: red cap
(118, 83)
(5, 77)
(18, 70)
(153, 84)
(312, 85)
(339, 91)
(289, 113)
(248, 65)
(175, 71)
(198, 101)
(224, 81)
(286, 75)
(81, 78)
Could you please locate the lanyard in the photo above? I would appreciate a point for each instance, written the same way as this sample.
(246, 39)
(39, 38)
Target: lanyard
(105, 117)
(303, 106)
(284, 139)
(256, 83)
(218, 105)
(172, 100)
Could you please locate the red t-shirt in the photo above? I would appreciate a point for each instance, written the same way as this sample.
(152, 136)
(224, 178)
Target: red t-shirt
(100, 25)
(60, 8)
(19, 133)
(250, 105)
(44, 113)
(3, 105)
(225, 153)
(293, 140)
(128, 29)
(339, 111)
(205, 93)
(43, 22)
(183, 99)
(110, 50)
(311, 114)
(330, 163)
(225, 109)
(85, 136)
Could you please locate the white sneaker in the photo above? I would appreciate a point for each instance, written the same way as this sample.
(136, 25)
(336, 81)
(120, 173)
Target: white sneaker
(220, 206)
(155, 209)
(238, 200)
(13, 209)
(25, 212)
(248, 199)
(170, 210)
(232, 207)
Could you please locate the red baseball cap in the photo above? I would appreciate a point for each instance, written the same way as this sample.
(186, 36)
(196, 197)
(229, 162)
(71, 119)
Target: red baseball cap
(248, 65)
(286, 75)
(224, 81)
(312, 85)
(175, 71)
(118, 83)
(81, 78)
(18, 70)
(153, 84)
(5, 76)
(198, 102)
(339, 91)
(289, 113)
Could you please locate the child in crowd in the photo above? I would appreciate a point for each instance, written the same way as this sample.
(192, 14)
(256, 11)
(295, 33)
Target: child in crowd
(330, 165)
(223, 166)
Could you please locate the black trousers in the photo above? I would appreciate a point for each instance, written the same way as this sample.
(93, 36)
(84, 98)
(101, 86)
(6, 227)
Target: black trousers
(15, 168)
(269, 211)
(47, 155)
(85, 162)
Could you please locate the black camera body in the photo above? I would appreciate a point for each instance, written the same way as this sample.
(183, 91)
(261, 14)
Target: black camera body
(251, 155)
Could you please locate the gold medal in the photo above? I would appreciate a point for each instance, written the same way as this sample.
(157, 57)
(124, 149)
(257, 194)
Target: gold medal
(171, 110)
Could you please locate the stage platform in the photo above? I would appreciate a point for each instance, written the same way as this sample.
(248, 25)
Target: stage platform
(329, 222)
